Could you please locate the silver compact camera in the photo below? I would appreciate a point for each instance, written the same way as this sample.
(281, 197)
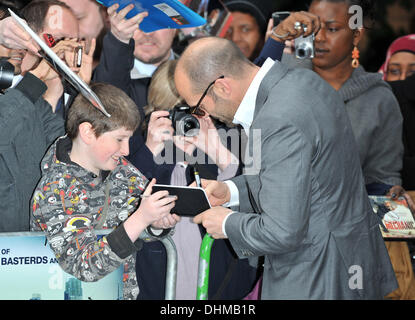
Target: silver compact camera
(304, 46)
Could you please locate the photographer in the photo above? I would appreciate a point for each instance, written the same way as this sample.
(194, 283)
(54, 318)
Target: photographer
(42, 16)
(202, 149)
(28, 126)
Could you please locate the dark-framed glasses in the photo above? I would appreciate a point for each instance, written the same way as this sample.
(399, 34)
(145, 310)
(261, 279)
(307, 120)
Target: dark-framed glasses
(197, 106)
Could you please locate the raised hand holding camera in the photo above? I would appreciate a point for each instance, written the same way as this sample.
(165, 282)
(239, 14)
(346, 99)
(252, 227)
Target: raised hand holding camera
(301, 26)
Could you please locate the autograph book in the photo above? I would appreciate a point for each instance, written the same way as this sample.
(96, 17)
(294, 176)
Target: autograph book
(190, 200)
(397, 218)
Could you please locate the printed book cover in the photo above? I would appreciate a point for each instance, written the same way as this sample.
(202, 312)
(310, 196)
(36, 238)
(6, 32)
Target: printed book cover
(162, 14)
(397, 219)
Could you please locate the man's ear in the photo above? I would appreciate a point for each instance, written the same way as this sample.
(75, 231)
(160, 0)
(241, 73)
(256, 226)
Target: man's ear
(223, 88)
(86, 132)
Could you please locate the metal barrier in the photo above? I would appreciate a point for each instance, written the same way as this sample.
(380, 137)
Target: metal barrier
(171, 274)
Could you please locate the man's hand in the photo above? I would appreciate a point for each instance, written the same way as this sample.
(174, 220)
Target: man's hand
(123, 29)
(13, 36)
(217, 192)
(212, 220)
(398, 191)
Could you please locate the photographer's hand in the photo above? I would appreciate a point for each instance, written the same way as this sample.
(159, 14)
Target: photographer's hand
(209, 141)
(88, 49)
(159, 130)
(286, 30)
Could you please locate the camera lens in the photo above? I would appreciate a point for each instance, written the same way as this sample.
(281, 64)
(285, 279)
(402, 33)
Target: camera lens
(188, 126)
(184, 123)
(6, 74)
(301, 53)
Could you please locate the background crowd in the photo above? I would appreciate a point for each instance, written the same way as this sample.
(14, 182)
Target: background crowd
(373, 75)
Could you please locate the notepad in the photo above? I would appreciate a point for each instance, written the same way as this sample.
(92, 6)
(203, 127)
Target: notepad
(190, 200)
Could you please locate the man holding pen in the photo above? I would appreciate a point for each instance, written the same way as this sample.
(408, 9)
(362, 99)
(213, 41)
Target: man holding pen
(305, 207)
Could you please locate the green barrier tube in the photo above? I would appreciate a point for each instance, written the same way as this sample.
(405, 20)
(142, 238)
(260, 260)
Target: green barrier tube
(204, 262)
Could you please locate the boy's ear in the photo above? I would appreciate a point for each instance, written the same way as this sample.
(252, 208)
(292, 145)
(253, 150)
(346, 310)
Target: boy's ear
(86, 132)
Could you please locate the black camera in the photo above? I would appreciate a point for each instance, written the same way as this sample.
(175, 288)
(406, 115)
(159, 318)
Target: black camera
(6, 74)
(184, 123)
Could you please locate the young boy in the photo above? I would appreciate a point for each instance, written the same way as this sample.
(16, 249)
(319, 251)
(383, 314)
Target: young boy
(88, 185)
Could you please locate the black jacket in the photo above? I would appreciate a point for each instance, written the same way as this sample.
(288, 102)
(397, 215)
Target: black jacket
(27, 128)
(405, 93)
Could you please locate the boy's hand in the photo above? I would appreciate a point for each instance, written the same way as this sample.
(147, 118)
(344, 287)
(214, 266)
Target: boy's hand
(156, 206)
(167, 222)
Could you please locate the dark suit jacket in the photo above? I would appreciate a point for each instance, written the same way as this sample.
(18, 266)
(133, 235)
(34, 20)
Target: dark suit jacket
(303, 203)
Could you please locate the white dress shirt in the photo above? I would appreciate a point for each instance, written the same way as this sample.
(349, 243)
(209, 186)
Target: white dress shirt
(244, 116)
(145, 70)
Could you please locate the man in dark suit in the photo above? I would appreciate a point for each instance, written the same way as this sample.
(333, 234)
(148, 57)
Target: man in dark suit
(302, 202)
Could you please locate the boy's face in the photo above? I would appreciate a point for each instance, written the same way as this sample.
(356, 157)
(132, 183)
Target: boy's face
(108, 148)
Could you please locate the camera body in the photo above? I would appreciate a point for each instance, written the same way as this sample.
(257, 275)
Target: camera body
(184, 123)
(304, 47)
(6, 74)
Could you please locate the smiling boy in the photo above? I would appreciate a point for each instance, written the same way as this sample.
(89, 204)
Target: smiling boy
(88, 185)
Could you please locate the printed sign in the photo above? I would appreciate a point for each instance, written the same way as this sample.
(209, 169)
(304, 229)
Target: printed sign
(30, 271)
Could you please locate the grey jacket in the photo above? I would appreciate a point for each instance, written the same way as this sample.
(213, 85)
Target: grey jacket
(307, 209)
(27, 128)
(376, 122)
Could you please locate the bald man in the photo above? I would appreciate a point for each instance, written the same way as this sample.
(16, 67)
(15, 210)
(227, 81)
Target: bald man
(302, 204)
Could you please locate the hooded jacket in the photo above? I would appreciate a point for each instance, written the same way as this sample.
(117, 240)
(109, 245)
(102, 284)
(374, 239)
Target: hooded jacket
(70, 203)
(376, 122)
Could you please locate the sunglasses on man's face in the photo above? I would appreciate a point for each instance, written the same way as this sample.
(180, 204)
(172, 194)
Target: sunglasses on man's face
(196, 109)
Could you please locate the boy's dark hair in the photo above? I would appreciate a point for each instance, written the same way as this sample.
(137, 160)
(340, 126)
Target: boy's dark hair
(124, 112)
(35, 12)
